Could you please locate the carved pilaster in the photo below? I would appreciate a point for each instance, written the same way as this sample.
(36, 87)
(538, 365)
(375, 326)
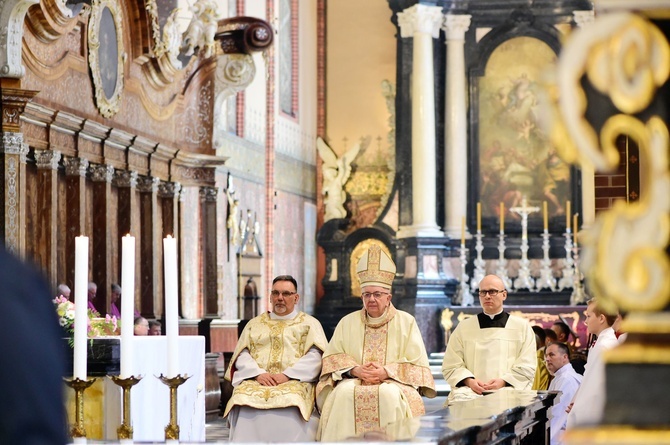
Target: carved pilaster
(103, 253)
(151, 293)
(12, 191)
(46, 224)
(169, 189)
(125, 179)
(75, 197)
(208, 197)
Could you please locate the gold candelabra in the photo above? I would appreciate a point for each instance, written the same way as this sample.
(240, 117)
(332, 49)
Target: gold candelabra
(125, 430)
(172, 429)
(79, 386)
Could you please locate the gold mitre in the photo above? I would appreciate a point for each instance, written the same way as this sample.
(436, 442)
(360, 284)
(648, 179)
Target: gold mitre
(376, 268)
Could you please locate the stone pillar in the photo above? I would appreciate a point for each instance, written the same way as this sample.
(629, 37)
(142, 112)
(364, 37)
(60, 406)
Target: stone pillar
(45, 244)
(422, 23)
(128, 221)
(582, 19)
(13, 209)
(75, 197)
(168, 192)
(455, 126)
(151, 249)
(101, 244)
(208, 197)
(13, 160)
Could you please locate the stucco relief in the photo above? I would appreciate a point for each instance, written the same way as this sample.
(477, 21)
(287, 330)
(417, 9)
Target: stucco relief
(198, 113)
(11, 36)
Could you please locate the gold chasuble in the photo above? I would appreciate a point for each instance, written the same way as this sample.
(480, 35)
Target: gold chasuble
(350, 408)
(276, 345)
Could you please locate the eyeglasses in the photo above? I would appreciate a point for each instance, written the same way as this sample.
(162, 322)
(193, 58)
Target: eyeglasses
(376, 295)
(491, 292)
(284, 293)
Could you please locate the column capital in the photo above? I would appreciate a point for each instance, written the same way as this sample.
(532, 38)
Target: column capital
(208, 194)
(148, 184)
(47, 159)
(14, 101)
(12, 144)
(75, 166)
(125, 179)
(102, 173)
(420, 19)
(455, 26)
(583, 18)
(169, 189)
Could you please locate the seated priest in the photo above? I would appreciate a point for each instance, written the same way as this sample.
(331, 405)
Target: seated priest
(490, 351)
(375, 368)
(274, 370)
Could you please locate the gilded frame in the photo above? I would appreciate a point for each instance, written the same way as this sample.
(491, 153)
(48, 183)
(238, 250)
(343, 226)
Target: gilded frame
(106, 60)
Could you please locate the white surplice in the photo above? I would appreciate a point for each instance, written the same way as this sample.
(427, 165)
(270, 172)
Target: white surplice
(567, 381)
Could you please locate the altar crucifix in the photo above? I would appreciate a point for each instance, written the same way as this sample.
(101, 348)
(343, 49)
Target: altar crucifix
(524, 280)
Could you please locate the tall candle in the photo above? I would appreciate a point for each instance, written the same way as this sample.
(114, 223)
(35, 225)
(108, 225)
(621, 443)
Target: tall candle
(171, 313)
(479, 217)
(567, 215)
(127, 304)
(545, 215)
(575, 228)
(80, 306)
(502, 217)
(463, 231)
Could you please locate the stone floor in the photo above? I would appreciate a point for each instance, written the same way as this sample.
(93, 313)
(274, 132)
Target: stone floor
(217, 430)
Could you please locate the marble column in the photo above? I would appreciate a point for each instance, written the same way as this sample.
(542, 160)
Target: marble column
(151, 249)
(45, 244)
(208, 196)
(101, 245)
(128, 210)
(75, 197)
(422, 23)
(455, 126)
(582, 19)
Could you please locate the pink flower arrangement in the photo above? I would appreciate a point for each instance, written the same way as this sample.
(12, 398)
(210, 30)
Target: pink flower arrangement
(97, 326)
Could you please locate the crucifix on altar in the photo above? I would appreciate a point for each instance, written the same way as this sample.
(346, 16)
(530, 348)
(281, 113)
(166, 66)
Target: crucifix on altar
(524, 280)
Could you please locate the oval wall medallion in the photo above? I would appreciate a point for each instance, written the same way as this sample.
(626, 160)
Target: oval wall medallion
(106, 55)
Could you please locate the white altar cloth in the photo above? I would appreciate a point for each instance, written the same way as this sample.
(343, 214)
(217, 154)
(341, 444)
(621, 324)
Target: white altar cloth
(150, 398)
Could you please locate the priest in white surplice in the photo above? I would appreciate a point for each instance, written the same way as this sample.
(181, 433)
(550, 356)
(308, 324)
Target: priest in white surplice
(274, 370)
(375, 368)
(491, 351)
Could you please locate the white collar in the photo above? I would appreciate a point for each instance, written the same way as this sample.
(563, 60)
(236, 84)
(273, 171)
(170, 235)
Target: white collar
(290, 316)
(494, 315)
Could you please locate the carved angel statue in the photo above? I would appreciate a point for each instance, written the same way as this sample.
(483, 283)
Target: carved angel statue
(202, 28)
(232, 222)
(336, 172)
(171, 41)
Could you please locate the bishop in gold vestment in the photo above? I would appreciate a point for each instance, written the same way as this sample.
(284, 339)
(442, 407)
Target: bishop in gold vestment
(274, 369)
(375, 368)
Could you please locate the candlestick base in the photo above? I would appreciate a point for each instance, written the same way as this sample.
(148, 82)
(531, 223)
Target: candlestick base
(79, 386)
(125, 430)
(172, 429)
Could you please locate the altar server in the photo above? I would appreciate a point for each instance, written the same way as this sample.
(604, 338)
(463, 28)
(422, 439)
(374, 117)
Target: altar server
(490, 351)
(274, 370)
(375, 368)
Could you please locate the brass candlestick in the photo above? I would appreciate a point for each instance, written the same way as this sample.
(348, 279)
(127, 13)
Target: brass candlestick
(125, 430)
(79, 386)
(172, 429)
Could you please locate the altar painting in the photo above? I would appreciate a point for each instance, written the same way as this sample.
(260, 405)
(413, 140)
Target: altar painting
(516, 158)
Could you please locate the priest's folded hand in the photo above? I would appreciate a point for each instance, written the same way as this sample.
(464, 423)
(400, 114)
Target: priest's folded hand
(476, 385)
(266, 379)
(494, 384)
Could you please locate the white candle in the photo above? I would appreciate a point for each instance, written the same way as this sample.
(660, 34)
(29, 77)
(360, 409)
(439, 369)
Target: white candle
(127, 304)
(171, 313)
(80, 306)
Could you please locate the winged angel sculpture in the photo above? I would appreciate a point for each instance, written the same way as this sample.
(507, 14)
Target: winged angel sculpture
(336, 172)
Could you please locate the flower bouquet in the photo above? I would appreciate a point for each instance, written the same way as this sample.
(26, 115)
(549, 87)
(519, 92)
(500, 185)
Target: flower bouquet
(97, 326)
